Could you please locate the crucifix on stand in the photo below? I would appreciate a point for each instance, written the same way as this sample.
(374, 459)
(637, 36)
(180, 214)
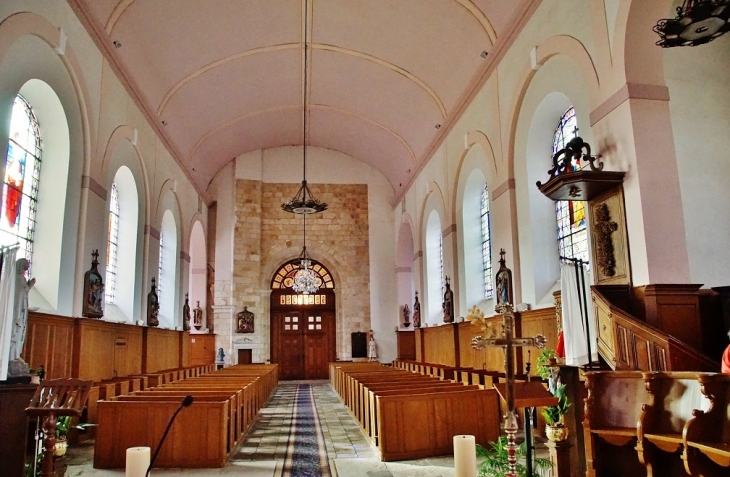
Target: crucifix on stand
(526, 394)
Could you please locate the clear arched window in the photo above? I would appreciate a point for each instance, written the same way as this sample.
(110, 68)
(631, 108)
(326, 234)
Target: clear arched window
(111, 248)
(441, 262)
(22, 174)
(486, 245)
(571, 215)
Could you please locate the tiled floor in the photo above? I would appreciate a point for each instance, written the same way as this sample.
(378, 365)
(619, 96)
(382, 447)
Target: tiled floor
(264, 448)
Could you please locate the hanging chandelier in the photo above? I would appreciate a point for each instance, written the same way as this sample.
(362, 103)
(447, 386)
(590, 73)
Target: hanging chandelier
(306, 280)
(698, 22)
(303, 201)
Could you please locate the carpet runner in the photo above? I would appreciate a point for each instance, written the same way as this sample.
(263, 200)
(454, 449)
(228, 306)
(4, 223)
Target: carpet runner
(306, 455)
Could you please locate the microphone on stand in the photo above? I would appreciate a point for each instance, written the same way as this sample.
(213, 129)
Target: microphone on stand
(186, 401)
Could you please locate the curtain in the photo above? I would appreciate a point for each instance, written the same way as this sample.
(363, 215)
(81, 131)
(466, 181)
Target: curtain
(7, 311)
(574, 323)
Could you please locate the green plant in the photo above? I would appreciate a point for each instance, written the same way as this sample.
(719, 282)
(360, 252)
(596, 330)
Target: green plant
(495, 463)
(542, 363)
(63, 425)
(554, 414)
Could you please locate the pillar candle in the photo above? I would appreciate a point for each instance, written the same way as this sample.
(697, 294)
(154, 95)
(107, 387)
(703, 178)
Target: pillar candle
(465, 456)
(138, 459)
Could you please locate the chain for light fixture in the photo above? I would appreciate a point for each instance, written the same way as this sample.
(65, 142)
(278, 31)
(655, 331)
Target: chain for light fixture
(306, 280)
(697, 22)
(303, 201)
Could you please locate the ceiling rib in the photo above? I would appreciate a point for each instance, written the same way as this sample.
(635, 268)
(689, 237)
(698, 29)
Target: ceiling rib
(481, 18)
(116, 13)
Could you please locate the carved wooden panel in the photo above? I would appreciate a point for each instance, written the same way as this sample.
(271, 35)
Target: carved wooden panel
(609, 239)
(643, 353)
(623, 351)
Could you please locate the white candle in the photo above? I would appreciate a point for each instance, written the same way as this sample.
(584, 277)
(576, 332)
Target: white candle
(465, 456)
(138, 459)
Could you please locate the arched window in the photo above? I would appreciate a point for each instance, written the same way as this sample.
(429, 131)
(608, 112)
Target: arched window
(434, 269)
(486, 245)
(159, 268)
(167, 288)
(441, 263)
(22, 174)
(111, 249)
(571, 215)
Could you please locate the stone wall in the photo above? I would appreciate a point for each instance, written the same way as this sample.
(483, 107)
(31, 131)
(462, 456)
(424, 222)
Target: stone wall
(265, 237)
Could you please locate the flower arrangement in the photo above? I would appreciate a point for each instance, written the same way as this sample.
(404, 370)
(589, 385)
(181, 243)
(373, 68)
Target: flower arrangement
(495, 463)
(477, 318)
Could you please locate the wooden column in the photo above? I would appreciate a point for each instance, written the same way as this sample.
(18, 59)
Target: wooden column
(560, 457)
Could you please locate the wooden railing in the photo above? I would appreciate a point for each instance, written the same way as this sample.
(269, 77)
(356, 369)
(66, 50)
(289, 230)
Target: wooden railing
(627, 343)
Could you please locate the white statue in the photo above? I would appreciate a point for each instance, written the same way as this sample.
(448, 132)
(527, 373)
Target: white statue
(20, 321)
(372, 348)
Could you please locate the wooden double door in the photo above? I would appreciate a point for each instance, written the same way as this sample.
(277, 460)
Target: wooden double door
(303, 342)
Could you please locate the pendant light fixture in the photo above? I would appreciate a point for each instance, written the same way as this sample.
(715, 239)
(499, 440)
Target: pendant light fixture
(306, 280)
(698, 22)
(303, 201)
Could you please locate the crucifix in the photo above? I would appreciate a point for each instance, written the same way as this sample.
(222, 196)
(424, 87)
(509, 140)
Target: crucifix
(509, 342)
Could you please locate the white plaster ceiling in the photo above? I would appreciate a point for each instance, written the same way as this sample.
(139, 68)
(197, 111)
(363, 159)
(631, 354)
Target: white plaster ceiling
(223, 77)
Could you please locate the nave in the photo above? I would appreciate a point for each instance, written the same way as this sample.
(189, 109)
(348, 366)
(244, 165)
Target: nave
(304, 430)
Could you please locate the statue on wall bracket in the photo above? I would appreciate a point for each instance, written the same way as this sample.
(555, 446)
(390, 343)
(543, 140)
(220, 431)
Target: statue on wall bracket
(93, 290)
(153, 306)
(416, 313)
(503, 283)
(186, 314)
(198, 317)
(245, 321)
(448, 303)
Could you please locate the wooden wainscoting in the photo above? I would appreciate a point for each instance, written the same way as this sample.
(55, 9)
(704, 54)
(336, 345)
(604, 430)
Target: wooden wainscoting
(406, 345)
(161, 350)
(442, 344)
(202, 349)
(50, 342)
(105, 350)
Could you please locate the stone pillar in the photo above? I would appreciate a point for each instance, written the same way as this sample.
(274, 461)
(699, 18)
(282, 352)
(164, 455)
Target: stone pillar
(223, 322)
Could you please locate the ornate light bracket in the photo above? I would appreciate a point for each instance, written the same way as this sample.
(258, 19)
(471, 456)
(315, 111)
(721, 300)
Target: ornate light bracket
(304, 202)
(567, 180)
(697, 22)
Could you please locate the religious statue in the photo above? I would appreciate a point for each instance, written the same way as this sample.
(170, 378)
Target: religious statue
(198, 317)
(406, 315)
(186, 314)
(153, 306)
(221, 356)
(245, 321)
(416, 313)
(372, 347)
(20, 319)
(93, 290)
(503, 282)
(448, 304)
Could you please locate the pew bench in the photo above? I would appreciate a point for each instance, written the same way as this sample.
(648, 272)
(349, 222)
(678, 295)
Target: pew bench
(706, 436)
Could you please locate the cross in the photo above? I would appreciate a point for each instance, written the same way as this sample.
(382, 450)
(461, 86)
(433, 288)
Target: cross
(509, 342)
(95, 254)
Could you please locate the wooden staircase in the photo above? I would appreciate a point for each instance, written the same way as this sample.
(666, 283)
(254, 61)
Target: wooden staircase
(629, 343)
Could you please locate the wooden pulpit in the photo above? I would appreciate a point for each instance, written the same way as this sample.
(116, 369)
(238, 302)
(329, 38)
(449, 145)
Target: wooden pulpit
(53, 399)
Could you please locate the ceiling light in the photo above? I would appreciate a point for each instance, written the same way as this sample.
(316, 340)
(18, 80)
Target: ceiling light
(306, 280)
(484, 54)
(303, 201)
(117, 44)
(698, 22)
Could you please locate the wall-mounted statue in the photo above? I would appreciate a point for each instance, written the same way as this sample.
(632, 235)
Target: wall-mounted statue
(153, 306)
(93, 303)
(186, 314)
(245, 321)
(503, 282)
(448, 303)
(406, 316)
(198, 317)
(416, 313)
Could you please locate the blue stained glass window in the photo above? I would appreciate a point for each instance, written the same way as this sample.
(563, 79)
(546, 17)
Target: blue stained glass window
(486, 245)
(571, 215)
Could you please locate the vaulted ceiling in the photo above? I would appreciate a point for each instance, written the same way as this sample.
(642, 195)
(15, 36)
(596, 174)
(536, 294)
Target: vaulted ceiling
(218, 78)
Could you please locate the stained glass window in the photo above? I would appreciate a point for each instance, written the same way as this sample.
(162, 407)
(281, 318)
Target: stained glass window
(20, 185)
(111, 249)
(441, 257)
(486, 245)
(159, 272)
(284, 277)
(571, 215)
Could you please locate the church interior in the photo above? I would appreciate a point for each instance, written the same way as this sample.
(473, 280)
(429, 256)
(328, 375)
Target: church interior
(404, 219)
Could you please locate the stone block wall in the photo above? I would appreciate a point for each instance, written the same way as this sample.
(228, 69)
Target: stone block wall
(265, 237)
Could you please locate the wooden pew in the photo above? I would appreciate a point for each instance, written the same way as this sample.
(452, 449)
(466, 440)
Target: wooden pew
(412, 426)
(706, 436)
(224, 406)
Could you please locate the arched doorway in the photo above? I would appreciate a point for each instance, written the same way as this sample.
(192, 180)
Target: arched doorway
(303, 327)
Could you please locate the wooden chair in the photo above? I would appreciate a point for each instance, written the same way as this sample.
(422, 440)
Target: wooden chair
(53, 399)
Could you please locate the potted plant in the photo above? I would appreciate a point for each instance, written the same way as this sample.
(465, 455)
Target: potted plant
(544, 362)
(555, 429)
(494, 462)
